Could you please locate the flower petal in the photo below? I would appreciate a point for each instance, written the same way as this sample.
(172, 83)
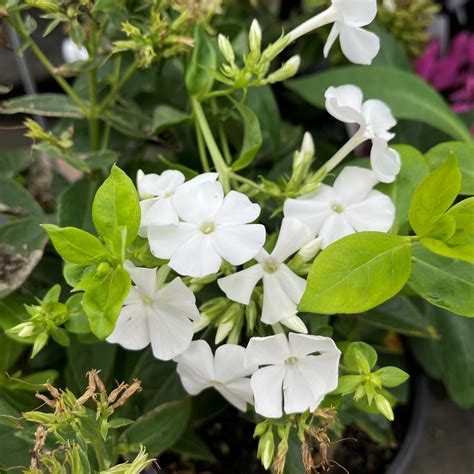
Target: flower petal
(302, 345)
(336, 227)
(293, 235)
(358, 45)
(144, 279)
(379, 117)
(197, 257)
(177, 298)
(353, 184)
(238, 393)
(201, 178)
(312, 209)
(298, 395)
(159, 184)
(356, 12)
(238, 243)
(266, 386)
(229, 363)
(131, 329)
(293, 284)
(331, 39)
(196, 367)
(295, 323)
(170, 332)
(385, 161)
(376, 213)
(267, 350)
(345, 103)
(197, 203)
(277, 304)
(161, 212)
(321, 372)
(239, 286)
(165, 240)
(237, 209)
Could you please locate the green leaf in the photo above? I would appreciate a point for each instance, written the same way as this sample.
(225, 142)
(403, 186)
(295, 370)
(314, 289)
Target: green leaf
(392, 52)
(75, 245)
(451, 358)
(401, 315)
(74, 273)
(434, 196)
(199, 78)
(160, 428)
(392, 376)
(165, 116)
(348, 383)
(101, 160)
(357, 273)
(460, 244)
(414, 169)
(360, 357)
(75, 205)
(77, 319)
(464, 152)
(252, 140)
(115, 205)
(48, 105)
(11, 350)
(408, 96)
(103, 302)
(442, 281)
(16, 201)
(192, 445)
(15, 160)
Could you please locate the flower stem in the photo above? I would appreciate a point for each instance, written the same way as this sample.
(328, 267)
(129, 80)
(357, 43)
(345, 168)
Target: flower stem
(17, 23)
(321, 19)
(201, 149)
(349, 146)
(211, 144)
(250, 183)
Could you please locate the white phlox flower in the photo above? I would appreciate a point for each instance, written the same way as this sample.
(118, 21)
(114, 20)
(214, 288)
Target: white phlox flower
(211, 228)
(199, 369)
(72, 52)
(375, 120)
(161, 316)
(296, 372)
(350, 205)
(348, 17)
(282, 289)
(156, 192)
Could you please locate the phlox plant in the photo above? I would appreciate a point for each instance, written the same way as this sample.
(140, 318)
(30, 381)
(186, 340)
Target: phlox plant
(216, 253)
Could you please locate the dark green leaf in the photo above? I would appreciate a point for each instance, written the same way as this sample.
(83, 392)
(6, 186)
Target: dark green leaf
(165, 117)
(192, 445)
(48, 105)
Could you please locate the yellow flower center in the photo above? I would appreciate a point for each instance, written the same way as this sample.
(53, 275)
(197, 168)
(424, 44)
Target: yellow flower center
(208, 228)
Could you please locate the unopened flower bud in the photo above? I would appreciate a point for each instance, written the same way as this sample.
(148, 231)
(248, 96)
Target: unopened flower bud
(223, 330)
(274, 49)
(251, 316)
(226, 48)
(266, 447)
(310, 250)
(27, 330)
(255, 36)
(383, 406)
(287, 70)
(214, 307)
(260, 428)
(201, 323)
(295, 323)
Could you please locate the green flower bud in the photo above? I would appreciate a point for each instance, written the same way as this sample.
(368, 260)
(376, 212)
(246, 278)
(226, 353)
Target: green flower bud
(102, 269)
(223, 330)
(255, 36)
(310, 250)
(251, 316)
(295, 323)
(225, 48)
(201, 323)
(39, 343)
(274, 49)
(260, 428)
(287, 70)
(383, 406)
(266, 448)
(27, 330)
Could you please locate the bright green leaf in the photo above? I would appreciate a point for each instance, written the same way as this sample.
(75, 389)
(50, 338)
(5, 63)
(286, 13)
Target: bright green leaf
(434, 196)
(357, 273)
(360, 357)
(115, 205)
(392, 376)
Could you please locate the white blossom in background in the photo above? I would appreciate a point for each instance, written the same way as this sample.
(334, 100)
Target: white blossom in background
(199, 369)
(348, 17)
(161, 316)
(212, 228)
(350, 205)
(156, 192)
(72, 52)
(290, 375)
(282, 289)
(374, 119)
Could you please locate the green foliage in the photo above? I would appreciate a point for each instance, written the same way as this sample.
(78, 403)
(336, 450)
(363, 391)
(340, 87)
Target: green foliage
(408, 96)
(342, 277)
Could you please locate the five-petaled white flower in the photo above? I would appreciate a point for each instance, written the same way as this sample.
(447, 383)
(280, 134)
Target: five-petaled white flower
(72, 52)
(199, 369)
(212, 228)
(301, 370)
(160, 316)
(350, 205)
(358, 45)
(282, 289)
(157, 192)
(375, 120)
